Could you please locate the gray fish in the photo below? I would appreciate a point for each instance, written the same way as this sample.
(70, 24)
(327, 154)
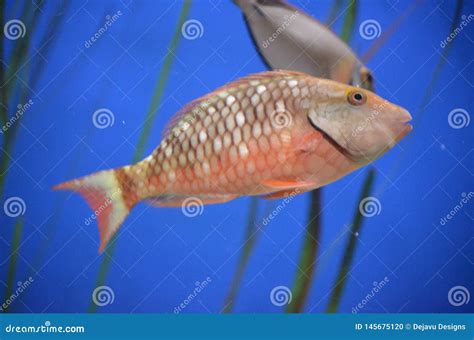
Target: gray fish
(288, 38)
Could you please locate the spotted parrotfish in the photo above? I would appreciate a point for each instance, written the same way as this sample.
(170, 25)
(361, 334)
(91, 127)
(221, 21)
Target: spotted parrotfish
(269, 134)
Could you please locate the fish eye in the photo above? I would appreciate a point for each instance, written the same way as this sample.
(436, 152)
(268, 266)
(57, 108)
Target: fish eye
(356, 98)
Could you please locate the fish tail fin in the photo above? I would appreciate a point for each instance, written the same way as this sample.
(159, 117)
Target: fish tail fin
(108, 195)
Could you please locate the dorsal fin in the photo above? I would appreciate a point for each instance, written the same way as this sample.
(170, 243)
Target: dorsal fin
(175, 120)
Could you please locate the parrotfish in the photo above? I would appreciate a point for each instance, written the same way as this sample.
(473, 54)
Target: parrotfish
(269, 134)
(288, 38)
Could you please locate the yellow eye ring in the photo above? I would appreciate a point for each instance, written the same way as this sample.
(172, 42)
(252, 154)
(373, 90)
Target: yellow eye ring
(356, 97)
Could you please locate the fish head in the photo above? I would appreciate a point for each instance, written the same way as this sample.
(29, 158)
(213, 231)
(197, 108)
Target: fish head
(362, 124)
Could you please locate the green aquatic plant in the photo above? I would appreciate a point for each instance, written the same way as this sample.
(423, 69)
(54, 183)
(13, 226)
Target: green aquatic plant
(349, 252)
(306, 266)
(15, 248)
(335, 10)
(19, 64)
(145, 134)
(251, 233)
(441, 61)
(349, 21)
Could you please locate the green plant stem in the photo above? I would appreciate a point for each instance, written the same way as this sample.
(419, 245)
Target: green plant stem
(441, 62)
(145, 134)
(335, 10)
(307, 261)
(17, 57)
(349, 21)
(161, 84)
(250, 238)
(336, 295)
(18, 228)
(3, 90)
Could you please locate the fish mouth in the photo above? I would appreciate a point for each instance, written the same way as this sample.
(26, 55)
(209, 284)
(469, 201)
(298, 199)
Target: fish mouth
(403, 127)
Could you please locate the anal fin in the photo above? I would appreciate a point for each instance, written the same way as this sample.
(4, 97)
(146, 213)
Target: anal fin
(287, 184)
(180, 200)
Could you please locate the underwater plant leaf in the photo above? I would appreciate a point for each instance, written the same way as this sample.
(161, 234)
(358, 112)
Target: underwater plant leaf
(16, 240)
(8, 79)
(441, 62)
(37, 69)
(335, 10)
(155, 101)
(349, 21)
(249, 242)
(306, 266)
(161, 83)
(3, 93)
(349, 252)
(252, 232)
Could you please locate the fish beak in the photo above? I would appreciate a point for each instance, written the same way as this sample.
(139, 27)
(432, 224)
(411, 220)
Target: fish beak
(403, 117)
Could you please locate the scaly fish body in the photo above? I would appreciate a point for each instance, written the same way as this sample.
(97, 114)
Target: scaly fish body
(266, 134)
